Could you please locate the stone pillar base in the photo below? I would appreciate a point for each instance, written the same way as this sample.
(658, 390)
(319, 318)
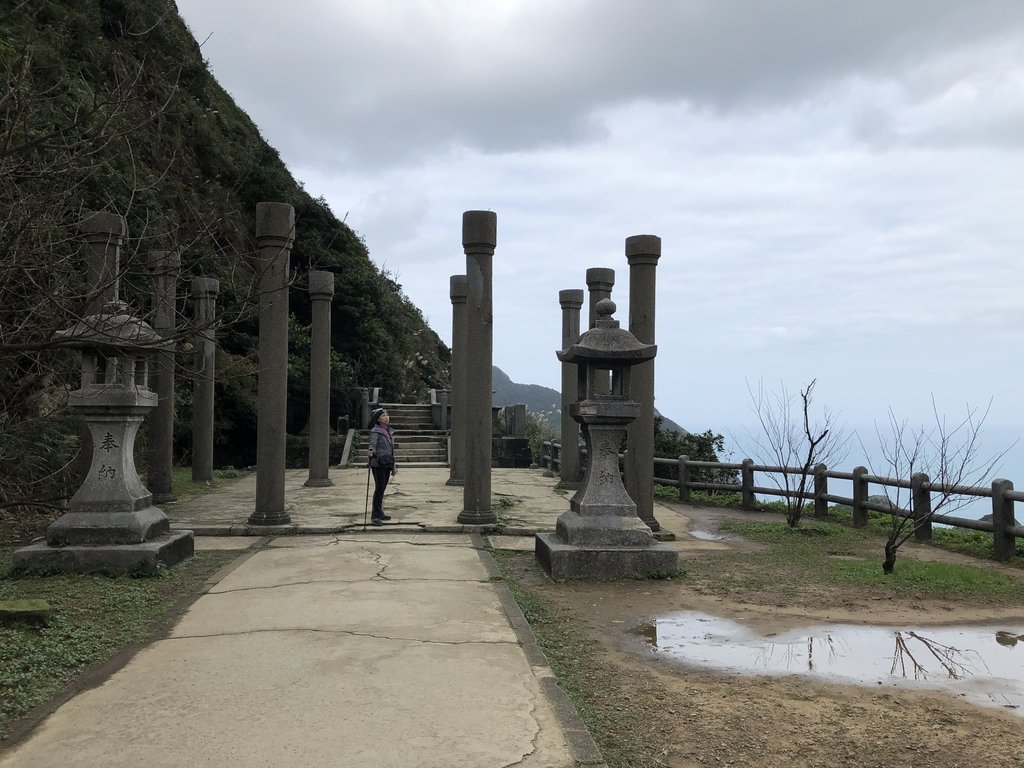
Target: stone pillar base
(566, 561)
(318, 483)
(651, 523)
(455, 481)
(469, 517)
(279, 518)
(168, 549)
(568, 486)
(164, 498)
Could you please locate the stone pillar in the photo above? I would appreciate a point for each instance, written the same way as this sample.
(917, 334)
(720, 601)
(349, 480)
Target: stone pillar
(321, 291)
(275, 233)
(458, 290)
(104, 234)
(570, 459)
(479, 237)
(642, 253)
(163, 267)
(204, 293)
(600, 281)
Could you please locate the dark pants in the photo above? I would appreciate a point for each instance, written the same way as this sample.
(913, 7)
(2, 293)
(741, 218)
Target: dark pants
(381, 475)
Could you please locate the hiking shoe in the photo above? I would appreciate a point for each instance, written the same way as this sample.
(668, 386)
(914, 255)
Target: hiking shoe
(384, 517)
(376, 521)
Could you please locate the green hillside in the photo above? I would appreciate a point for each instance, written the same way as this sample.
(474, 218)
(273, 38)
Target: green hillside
(108, 105)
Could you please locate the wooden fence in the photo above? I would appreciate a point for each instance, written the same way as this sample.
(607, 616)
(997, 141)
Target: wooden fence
(1002, 526)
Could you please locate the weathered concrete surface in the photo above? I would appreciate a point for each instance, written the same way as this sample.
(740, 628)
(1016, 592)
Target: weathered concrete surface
(384, 650)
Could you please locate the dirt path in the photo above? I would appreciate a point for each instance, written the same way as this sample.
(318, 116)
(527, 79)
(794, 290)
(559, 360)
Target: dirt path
(650, 711)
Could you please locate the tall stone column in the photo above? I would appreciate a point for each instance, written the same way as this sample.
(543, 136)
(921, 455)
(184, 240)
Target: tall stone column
(204, 370)
(569, 457)
(163, 268)
(458, 290)
(600, 281)
(275, 233)
(321, 291)
(479, 237)
(642, 253)
(104, 234)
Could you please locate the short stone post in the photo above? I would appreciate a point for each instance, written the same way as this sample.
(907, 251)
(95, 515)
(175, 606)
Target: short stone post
(442, 400)
(457, 469)
(642, 253)
(570, 474)
(921, 505)
(860, 497)
(684, 477)
(479, 237)
(163, 267)
(747, 484)
(1003, 520)
(275, 232)
(204, 293)
(821, 491)
(364, 408)
(321, 291)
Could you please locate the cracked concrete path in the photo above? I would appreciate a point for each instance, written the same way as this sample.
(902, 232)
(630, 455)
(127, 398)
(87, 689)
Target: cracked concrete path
(326, 651)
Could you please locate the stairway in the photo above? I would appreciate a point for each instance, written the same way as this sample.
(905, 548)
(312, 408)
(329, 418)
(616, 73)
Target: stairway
(417, 442)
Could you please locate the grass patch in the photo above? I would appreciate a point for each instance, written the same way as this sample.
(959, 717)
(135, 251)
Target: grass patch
(834, 554)
(93, 617)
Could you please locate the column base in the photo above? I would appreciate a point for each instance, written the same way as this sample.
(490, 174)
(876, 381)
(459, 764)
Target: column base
(602, 563)
(318, 483)
(168, 549)
(455, 481)
(164, 498)
(471, 517)
(279, 518)
(651, 523)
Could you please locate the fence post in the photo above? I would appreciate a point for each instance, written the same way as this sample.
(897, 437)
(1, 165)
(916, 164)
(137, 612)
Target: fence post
(860, 496)
(684, 478)
(1002, 520)
(921, 505)
(542, 459)
(820, 491)
(747, 488)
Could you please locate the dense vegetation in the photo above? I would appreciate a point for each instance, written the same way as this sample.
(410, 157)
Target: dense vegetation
(109, 105)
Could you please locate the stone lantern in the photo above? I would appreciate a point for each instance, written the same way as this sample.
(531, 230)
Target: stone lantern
(111, 524)
(601, 536)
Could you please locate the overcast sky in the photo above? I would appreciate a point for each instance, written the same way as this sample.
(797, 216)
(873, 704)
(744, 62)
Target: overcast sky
(839, 186)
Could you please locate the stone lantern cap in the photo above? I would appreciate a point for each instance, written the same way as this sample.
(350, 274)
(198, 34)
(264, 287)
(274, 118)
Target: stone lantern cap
(112, 330)
(607, 343)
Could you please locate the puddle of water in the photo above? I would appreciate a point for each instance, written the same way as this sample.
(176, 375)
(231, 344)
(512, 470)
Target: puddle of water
(984, 664)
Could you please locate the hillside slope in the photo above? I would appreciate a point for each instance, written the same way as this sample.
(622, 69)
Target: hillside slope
(109, 105)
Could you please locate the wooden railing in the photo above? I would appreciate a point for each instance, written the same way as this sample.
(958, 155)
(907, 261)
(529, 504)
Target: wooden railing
(1002, 526)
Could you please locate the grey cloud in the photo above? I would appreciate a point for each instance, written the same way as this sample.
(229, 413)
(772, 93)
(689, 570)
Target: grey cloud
(382, 90)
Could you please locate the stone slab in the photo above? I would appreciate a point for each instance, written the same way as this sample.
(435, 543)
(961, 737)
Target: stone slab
(514, 543)
(167, 550)
(566, 561)
(213, 543)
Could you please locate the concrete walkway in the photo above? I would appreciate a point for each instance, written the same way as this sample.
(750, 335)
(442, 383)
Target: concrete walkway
(393, 646)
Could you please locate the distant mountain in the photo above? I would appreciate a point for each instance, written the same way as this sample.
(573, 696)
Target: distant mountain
(543, 400)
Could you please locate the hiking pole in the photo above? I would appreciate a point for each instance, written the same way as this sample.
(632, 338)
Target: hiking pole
(367, 504)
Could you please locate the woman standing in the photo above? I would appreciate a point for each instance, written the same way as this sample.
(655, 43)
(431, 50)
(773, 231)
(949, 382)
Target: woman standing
(382, 461)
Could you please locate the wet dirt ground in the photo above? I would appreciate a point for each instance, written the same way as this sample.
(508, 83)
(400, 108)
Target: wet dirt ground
(647, 708)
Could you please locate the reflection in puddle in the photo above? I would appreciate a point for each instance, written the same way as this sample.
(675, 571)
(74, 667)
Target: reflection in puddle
(983, 664)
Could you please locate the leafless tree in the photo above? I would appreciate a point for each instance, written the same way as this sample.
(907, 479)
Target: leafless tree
(948, 453)
(795, 439)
